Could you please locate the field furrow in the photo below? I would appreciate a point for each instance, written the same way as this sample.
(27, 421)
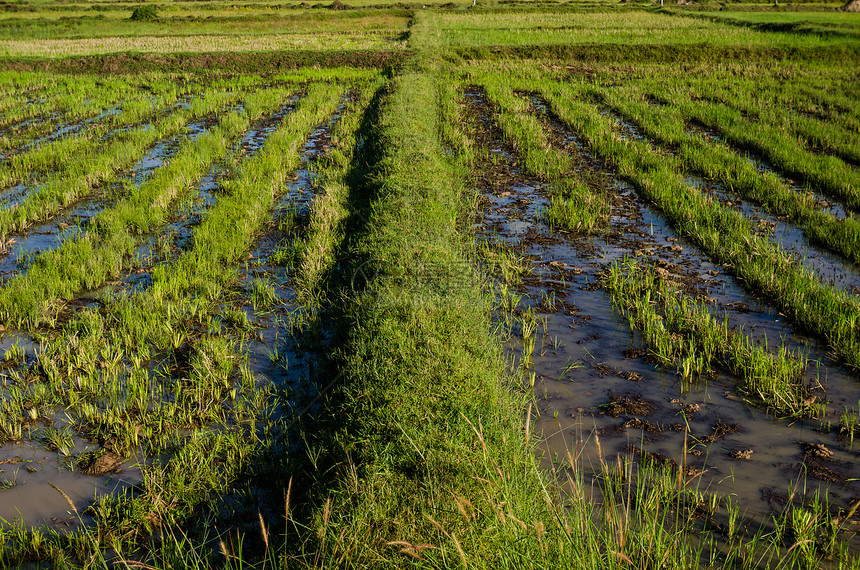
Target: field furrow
(90, 260)
(722, 232)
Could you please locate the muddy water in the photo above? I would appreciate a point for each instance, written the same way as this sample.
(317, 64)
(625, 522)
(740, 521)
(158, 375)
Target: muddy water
(29, 473)
(593, 381)
(290, 364)
(28, 469)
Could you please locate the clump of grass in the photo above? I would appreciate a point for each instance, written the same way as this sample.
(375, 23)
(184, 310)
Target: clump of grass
(578, 211)
(144, 13)
(236, 318)
(59, 440)
(263, 294)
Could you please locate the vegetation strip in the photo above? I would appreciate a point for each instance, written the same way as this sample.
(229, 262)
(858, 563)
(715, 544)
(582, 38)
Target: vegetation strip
(88, 261)
(81, 101)
(720, 231)
(820, 136)
(44, 157)
(259, 62)
(682, 332)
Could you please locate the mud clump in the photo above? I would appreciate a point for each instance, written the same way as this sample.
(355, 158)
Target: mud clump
(631, 376)
(816, 450)
(97, 464)
(644, 425)
(633, 353)
(741, 454)
(628, 404)
(658, 460)
(819, 463)
(720, 430)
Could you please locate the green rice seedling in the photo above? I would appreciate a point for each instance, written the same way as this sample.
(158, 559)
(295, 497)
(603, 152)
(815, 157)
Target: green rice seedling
(849, 423)
(59, 440)
(6, 483)
(11, 427)
(263, 294)
(237, 318)
(14, 354)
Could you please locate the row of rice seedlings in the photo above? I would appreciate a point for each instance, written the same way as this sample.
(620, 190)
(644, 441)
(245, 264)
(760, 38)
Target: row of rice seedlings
(805, 96)
(88, 261)
(574, 205)
(716, 161)
(330, 209)
(86, 170)
(65, 103)
(829, 174)
(681, 332)
(233, 222)
(720, 231)
(186, 290)
(33, 164)
(822, 136)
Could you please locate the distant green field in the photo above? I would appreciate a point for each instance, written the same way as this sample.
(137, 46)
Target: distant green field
(609, 28)
(79, 25)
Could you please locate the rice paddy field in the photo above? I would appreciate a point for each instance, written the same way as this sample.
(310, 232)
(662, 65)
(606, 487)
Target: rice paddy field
(372, 285)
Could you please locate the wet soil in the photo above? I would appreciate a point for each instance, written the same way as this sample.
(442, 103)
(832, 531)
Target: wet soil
(590, 370)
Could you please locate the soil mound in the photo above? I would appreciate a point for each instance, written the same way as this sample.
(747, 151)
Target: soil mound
(851, 6)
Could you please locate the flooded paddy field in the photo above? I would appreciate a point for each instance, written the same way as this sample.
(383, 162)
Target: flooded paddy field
(602, 389)
(177, 329)
(361, 285)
